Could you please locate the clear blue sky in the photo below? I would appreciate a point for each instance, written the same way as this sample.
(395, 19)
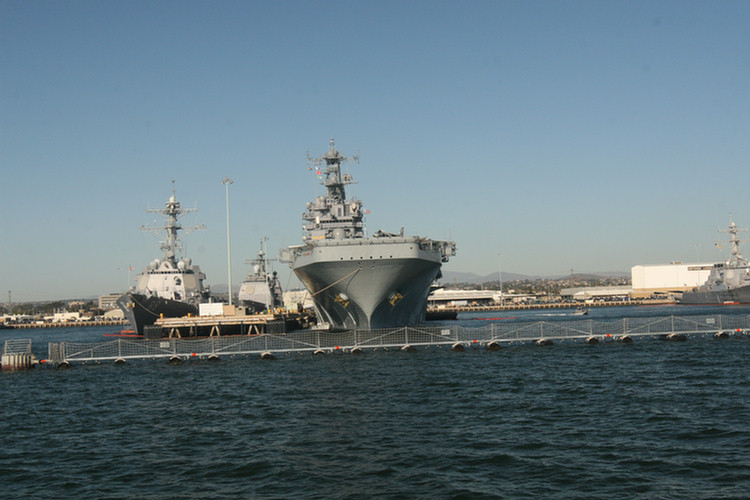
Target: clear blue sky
(564, 135)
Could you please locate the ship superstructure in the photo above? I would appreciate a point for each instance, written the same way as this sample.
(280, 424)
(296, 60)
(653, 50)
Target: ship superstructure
(728, 282)
(261, 289)
(168, 287)
(357, 281)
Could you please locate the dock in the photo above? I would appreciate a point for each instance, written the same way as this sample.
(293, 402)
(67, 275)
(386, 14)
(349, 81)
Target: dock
(65, 324)
(209, 326)
(490, 337)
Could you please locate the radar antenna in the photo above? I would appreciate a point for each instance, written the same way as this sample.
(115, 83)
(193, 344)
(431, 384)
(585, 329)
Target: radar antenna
(172, 213)
(334, 181)
(735, 255)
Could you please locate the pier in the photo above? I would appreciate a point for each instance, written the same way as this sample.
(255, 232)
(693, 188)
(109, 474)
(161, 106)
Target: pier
(209, 326)
(457, 338)
(66, 324)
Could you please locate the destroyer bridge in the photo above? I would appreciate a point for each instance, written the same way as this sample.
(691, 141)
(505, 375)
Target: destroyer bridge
(492, 336)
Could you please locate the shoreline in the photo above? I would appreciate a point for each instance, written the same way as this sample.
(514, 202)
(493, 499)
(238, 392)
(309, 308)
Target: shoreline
(65, 324)
(560, 305)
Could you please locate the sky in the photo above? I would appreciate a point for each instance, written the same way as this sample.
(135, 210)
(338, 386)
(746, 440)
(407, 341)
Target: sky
(541, 136)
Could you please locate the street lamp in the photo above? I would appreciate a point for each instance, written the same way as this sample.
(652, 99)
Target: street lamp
(500, 277)
(227, 181)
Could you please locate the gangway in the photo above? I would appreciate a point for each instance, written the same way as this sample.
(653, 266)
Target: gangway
(355, 341)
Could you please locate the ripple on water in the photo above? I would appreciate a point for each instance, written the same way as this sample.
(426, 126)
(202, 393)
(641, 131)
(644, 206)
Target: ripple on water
(649, 420)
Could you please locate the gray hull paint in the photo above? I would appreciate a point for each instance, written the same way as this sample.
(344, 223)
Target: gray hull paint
(736, 295)
(370, 294)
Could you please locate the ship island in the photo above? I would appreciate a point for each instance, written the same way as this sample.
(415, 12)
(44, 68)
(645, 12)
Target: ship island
(356, 281)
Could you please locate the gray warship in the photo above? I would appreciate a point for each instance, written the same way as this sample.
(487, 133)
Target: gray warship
(728, 282)
(168, 287)
(261, 290)
(357, 281)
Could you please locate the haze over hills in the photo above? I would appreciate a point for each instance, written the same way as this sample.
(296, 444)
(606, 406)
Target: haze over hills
(459, 277)
(450, 277)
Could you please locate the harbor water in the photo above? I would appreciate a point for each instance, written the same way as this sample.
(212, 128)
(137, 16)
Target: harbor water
(648, 420)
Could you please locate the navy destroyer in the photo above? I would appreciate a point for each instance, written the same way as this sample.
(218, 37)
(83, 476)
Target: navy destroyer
(728, 282)
(168, 287)
(261, 290)
(357, 281)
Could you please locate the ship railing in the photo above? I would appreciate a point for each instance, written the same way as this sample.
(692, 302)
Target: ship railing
(398, 338)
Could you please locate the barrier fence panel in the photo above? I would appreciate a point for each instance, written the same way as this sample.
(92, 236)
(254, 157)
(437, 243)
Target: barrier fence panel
(17, 346)
(312, 340)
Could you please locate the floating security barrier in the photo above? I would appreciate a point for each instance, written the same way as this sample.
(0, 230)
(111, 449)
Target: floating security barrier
(318, 352)
(458, 347)
(625, 339)
(16, 361)
(591, 340)
(120, 361)
(493, 346)
(213, 357)
(356, 350)
(266, 355)
(544, 342)
(676, 337)
(721, 335)
(409, 348)
(175, 360)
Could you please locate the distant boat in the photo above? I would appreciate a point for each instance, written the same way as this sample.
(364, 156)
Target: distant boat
(728, 282)
(169, 287)
(580, 312)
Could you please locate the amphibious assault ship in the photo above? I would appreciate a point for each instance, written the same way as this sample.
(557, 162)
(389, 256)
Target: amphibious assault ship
(169, 287)
(357, 281)
(728, 282)
(261, 290)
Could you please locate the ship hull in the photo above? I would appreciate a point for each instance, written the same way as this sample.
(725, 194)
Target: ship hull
(256, 295)
(740, 295)
(141, 310)
(369, 285)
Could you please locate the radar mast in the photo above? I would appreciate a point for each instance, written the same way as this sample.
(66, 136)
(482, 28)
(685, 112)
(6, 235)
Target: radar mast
(334, 181)
(172, 212)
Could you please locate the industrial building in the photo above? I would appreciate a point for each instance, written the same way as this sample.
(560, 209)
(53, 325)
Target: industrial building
(461, 298)
(108, 301)
(669, 278)
(442, 296)
(597, 293)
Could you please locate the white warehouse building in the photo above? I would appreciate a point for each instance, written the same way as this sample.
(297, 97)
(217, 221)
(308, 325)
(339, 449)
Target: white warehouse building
(671, 277)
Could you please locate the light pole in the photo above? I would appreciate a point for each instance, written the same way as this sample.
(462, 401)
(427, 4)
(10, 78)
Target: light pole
(500, 277)
(227, 181)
